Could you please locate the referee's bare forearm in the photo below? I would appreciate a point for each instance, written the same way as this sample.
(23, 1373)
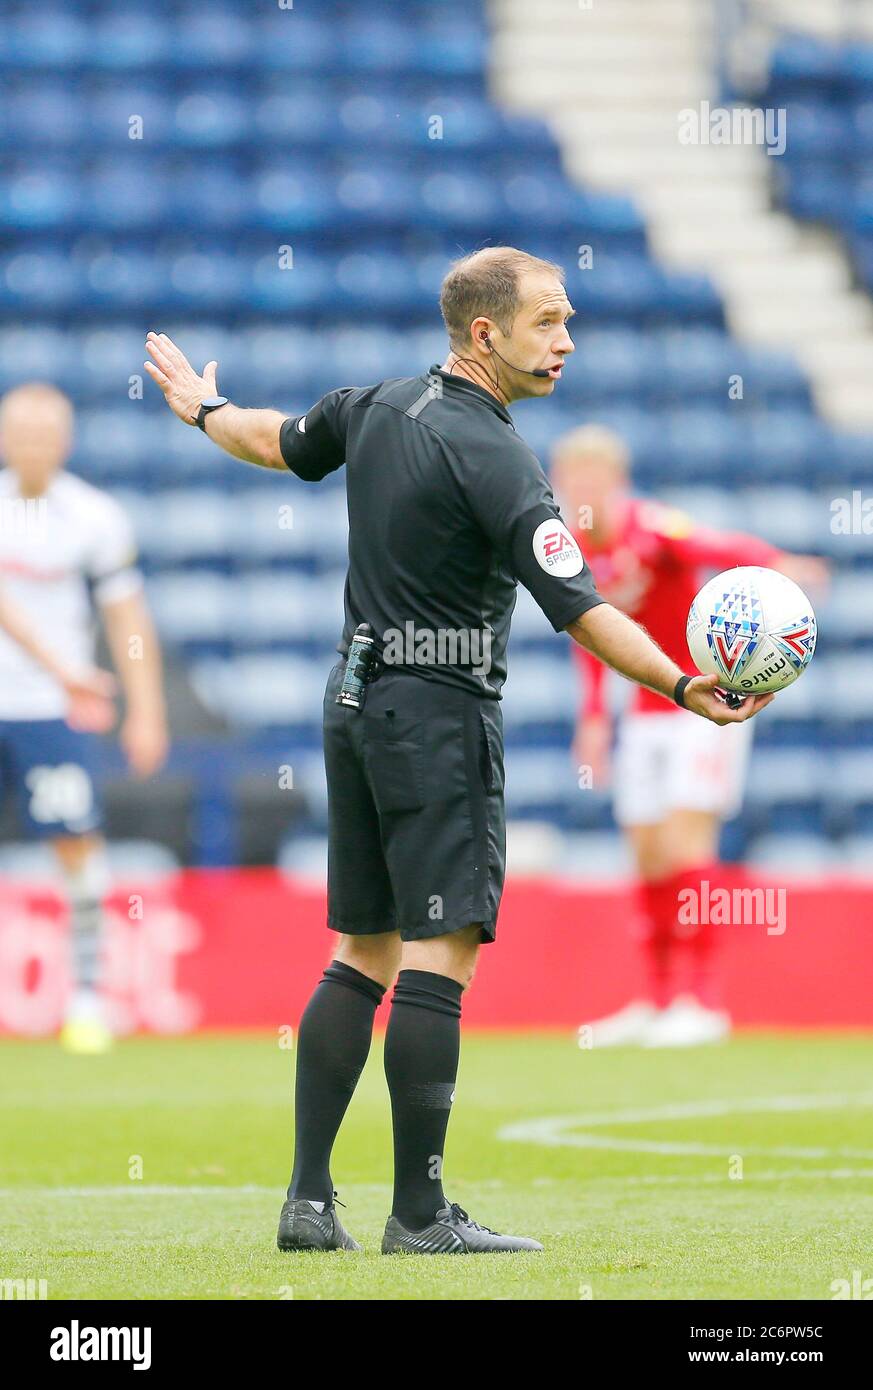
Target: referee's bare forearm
(621, 643)
(250, 435)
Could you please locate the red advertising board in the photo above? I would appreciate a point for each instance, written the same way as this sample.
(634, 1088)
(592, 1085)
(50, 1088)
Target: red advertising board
(243, 949)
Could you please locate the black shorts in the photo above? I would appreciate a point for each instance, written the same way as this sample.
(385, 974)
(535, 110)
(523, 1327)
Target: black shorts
(417, 829)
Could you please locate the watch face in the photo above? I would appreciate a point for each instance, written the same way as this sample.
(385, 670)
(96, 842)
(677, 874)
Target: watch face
(212, 402)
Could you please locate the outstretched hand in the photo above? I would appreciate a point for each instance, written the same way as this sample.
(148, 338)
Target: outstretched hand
(183, 389)
(700, 698)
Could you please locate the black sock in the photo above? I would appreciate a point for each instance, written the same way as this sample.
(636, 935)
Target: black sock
(421, 1064)
(332, 1046)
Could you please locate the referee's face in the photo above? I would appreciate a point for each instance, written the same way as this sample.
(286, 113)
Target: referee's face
(539, 337)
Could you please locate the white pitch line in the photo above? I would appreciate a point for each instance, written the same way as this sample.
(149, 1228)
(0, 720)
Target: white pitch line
(766, 1175)
(141, 1189)
(569, 1131)
(144, 1189)
(694, 1109)
(595, 1179)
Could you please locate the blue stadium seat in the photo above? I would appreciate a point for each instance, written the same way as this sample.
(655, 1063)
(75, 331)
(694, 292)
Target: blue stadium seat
(290, 523)
(540, 688)
(294, 196)
(824, 174)
(47, 39)
(265, 690)
(38, 196)
(861, 116)
(376, 194)
(127, 193)
(856, 853)
(41, 115)
(114, 281)
(804, 64)
(856, 67)
(215, 36)
(306, 114)
(849, 610)
(294, 43)
(615, 362)
(458, 199)
(820, 129)
(797, 854)
(211, 117)
(813, 192)
(109, 108)
(452, 48)
(790, 517)
(37, 353)
(191, 608)
(33, 281)
(304, 611)
(204, 281)
(130, 39)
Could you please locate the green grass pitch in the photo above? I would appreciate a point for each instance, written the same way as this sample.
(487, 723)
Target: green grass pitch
(738, 1171)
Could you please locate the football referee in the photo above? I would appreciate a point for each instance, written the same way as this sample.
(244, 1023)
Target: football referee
(448, 510)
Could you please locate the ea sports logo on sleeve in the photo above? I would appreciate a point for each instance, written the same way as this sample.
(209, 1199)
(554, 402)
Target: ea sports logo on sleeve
(555, 549)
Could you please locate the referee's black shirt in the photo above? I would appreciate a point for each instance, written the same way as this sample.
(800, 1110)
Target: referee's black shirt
(448, 510)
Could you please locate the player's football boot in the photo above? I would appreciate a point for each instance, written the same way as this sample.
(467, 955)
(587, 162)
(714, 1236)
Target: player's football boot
(620, 1029)
(451, 1233)
(687, 1023)
(86, 1037)
(303, 1227)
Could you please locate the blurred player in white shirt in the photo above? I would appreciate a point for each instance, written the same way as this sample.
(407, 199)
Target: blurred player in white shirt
(66, 548)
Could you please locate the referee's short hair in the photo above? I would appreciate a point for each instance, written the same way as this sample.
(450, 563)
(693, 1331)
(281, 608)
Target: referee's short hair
(485, 284)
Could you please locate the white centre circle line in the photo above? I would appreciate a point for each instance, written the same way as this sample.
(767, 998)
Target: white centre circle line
(572, 1131)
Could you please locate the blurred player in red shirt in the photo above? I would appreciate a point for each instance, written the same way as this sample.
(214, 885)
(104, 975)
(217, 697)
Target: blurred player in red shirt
(675, 778)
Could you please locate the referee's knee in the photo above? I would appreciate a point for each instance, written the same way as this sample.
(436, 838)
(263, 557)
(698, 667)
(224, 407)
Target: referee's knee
(377, 957)
(454, 954)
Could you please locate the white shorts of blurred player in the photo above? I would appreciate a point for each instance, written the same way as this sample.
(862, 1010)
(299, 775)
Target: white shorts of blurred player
(673, 762)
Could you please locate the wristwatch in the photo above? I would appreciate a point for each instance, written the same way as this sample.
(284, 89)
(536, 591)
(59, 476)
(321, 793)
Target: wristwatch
(206, 408)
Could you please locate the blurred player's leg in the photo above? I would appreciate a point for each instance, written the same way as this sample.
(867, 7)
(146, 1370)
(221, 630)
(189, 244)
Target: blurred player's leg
(704, 778)
(51, 767)
(687, 856)
(676, 778)
(691, 856)
(640, 806)
(654, 929)
(82, 862)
